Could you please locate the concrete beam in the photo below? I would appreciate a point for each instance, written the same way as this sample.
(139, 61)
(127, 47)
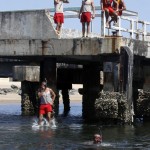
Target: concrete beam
(137, 47)
(87, 46)
(90, 46)
(26, 73)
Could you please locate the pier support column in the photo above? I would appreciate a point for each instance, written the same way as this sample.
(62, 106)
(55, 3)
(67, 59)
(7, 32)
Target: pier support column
(138, 82)
(126, 77)
(29, 103)
(91, 88)
(48, 73)
(111, 76)
(66, 100)
(29, 77)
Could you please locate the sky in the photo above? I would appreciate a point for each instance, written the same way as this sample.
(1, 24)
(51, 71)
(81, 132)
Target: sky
(140, 6)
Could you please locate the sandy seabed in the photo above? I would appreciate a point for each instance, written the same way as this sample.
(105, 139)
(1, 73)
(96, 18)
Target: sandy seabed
(9, 97)
(15, 98)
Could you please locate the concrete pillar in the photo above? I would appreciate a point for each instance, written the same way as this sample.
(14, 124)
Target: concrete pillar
(29, 77)
(138, 81)
(29, 101)
(116, 76)
(111, 76)
(126, 76)
(91, 88)
(108, 76)
(66, 100)
(101, 80)
(48, 73)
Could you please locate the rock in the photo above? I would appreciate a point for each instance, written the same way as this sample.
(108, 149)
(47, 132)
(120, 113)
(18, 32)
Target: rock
(13, 89)
(2, 92)
(111, 105)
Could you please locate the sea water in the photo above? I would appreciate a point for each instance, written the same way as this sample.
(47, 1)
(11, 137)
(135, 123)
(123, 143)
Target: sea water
(71, 133)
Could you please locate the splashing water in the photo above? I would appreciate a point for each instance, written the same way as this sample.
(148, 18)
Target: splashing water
(52, 123)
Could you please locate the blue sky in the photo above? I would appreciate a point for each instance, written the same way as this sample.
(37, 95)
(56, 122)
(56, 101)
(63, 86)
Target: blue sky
(140, 6)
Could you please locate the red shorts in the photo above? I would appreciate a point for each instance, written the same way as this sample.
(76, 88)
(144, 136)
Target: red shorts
(110, 9)
(45, 108)
(86, 17)
(119, 13)
(59, 18)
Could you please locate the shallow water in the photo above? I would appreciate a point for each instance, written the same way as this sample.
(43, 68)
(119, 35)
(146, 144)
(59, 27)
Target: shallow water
(16, 133)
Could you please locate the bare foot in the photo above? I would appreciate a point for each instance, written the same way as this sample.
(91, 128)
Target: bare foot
(107, 24)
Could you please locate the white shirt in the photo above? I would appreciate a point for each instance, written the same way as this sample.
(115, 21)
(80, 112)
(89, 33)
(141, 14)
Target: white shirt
(87, 6)
(59, 7)
(46, 98)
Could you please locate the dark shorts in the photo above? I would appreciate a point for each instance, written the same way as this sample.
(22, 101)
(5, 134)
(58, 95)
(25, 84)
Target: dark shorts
(45, 108)
(59, 18)
(86, 17)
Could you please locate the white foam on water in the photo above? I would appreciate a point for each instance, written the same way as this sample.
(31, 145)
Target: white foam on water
(35, 124)
(106, 144)
(52, 123)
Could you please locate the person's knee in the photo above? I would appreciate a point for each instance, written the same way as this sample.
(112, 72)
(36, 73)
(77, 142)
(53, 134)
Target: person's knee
(40, 117)
(59, 25)
(106, 11)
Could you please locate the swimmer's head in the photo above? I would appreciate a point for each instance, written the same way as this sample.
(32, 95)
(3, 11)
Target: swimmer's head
(97, 138)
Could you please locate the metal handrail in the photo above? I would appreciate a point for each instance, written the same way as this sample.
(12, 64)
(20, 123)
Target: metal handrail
(127, 15)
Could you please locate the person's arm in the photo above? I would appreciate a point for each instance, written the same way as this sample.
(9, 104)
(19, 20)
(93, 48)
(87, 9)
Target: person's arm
(81, 9)
(93, 8)
(53, 95)
(101, 4)
(123, 6)
(65, 1)
(116, 4)
(56, 2)
(40, 94)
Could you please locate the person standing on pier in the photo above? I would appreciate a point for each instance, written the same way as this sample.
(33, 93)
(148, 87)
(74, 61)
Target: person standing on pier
(46, 97)
(59, 15)
(85, 15)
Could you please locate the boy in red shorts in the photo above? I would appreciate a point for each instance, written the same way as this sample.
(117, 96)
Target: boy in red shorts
(46, 97)
(106, 6)
(59, 15)
(85, 15)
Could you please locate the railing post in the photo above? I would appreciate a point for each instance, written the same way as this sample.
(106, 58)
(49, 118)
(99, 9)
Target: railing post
(144, 30)
(132, 29)
(136, 29)
(119, 24)
(103, 24)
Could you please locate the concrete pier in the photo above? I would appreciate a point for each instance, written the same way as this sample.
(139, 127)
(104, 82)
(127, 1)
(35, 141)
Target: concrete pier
(105, 63)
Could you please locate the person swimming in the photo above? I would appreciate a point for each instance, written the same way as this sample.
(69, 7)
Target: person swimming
(97, 139)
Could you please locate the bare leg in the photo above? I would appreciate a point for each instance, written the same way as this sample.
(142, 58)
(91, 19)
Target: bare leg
(49, 117)
(40, 119)
(58, 27)
(113, 18)
(109, 23)
(107, 17)
(88, 29)
(83, 29)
